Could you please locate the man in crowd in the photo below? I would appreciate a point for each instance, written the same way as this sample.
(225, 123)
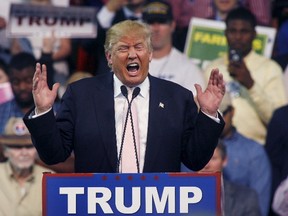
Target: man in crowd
(20, 177)
(277, 147)
(238, 200)
(247, 161)
(168, 62)
(254, 81)
(20, 73)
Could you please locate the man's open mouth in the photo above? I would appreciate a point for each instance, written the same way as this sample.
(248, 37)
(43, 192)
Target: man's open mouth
(133, 67)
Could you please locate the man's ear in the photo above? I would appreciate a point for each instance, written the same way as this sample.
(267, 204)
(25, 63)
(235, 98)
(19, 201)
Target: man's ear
(109, 58)
(232, 111)
(173, 26)
(150, 56)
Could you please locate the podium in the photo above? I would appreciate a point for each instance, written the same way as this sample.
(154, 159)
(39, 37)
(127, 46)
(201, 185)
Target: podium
(197, 194)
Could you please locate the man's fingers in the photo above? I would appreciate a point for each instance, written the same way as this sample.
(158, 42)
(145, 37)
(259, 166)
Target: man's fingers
(40, 76)
(37, 71)
(36, 76)
(44, 72)
(221, 83)
(40, 72)
(220, 79)
(214, 76)
(55, 88)
(198, 89)
(216, 79)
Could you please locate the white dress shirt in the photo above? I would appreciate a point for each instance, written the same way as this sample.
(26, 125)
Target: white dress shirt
(142, 100)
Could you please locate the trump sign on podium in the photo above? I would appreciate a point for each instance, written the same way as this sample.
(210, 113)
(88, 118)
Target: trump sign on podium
(132, 194)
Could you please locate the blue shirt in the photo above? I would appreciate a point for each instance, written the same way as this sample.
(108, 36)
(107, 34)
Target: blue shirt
(8, 110)
(12, 109)
(248, 164)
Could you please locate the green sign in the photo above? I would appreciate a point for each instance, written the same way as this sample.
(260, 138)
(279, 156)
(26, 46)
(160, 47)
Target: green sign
(206, 40)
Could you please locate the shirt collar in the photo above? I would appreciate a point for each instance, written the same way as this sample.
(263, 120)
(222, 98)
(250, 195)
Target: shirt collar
(144, 86)
(10, 172)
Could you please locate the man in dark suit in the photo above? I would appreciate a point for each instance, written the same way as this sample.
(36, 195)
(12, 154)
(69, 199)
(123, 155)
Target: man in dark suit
(89, 122)
(276, 147)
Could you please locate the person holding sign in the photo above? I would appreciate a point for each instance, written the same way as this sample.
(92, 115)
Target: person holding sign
(93, 118)
(254, 81)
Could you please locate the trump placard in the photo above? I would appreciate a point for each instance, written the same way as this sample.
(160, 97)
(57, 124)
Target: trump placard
(36, 20)
(132, 194)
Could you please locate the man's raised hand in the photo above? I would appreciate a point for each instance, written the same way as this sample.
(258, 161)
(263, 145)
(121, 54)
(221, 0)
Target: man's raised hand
(43, 97)
(209, 100)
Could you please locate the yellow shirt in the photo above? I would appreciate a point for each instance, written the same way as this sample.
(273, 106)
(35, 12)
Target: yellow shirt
(17, 201)
(254, 107)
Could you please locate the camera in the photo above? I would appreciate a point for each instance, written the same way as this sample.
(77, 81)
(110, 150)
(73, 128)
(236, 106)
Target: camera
(235, 55)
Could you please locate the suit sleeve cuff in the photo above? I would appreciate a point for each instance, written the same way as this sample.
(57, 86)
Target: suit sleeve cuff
(216, 119)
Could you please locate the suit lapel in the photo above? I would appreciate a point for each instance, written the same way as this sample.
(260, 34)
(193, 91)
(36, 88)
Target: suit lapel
(104, 108)
(155, 131)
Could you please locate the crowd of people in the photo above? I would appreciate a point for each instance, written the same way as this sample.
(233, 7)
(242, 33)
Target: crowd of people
(148, 37)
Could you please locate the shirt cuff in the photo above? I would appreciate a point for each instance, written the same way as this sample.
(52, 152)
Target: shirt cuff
(35, 115)
(216, 119)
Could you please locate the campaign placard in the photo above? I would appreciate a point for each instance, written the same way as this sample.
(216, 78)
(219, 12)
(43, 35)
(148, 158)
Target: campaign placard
(43, 21)
(132, 194)
(206, 41)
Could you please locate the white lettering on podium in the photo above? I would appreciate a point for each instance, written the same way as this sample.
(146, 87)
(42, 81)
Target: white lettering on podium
(152, 196)
(71, 193)
(186, 199)
(102, 195)
(93, 199)
(136, 198)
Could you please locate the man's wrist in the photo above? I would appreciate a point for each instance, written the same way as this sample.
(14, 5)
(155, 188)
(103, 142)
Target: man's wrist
(214, 118)
(212, 114)
(39, 113)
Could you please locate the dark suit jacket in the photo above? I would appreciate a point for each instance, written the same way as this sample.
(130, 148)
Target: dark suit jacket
(277, 145)
(85, 123)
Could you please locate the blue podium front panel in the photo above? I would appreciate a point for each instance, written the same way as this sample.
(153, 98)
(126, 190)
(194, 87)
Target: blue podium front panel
(132, 194)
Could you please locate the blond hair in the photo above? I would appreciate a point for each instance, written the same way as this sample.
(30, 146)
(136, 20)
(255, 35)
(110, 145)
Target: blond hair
(124, 28)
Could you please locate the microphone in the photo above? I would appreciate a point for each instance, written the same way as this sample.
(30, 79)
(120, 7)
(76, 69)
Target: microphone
(135, 93)
(124, 91)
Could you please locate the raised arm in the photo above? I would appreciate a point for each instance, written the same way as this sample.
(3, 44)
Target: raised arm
(43, 97)
(209, 100)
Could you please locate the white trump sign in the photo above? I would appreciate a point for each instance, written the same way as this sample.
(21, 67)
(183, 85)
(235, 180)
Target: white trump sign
(36, 20)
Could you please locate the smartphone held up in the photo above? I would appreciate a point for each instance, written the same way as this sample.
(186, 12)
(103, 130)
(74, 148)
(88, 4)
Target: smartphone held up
(235, 55)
